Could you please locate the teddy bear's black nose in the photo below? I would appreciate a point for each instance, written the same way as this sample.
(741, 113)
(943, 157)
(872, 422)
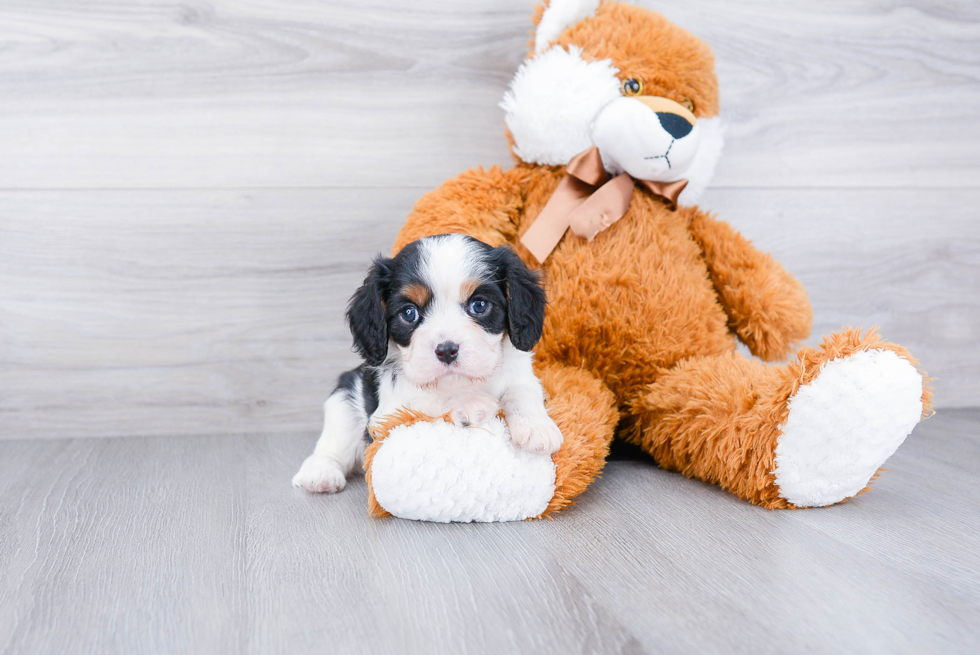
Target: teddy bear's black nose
(676, 126)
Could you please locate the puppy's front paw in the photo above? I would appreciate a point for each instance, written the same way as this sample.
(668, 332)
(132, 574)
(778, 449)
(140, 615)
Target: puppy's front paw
(475, 410)
(320, 475)
(538, 436)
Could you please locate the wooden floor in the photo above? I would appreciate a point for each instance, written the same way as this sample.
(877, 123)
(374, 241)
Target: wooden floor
(200, 545)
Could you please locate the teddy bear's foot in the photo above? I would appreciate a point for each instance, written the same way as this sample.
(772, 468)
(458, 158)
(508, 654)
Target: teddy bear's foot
(810, 433)
(844, 424)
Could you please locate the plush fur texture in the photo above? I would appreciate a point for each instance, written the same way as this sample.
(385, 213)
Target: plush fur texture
(415, 473)
(567, 97)
(647, 314)
(552, 101)
(559, 15)
(379, 432)
(720, 418)
(584, 411)
(844, 424)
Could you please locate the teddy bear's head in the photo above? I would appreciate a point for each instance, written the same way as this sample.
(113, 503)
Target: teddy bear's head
(624, 79)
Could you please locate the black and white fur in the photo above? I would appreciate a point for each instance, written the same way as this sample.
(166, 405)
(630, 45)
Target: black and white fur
(446, 326)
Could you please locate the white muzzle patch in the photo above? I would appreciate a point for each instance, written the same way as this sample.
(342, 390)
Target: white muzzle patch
(634, 139)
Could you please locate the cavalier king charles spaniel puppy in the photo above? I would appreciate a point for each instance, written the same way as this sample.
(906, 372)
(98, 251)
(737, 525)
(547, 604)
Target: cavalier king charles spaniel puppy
(444, 327)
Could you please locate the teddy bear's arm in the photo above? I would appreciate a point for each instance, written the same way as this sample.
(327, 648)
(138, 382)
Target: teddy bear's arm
(767, 308)
(483, 204)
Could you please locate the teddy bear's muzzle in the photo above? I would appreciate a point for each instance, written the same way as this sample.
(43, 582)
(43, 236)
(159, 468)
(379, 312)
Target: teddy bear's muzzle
(649, 137)
(667, 107)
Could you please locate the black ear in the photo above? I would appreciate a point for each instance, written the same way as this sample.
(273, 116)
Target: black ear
(525, 299)
(366, 313)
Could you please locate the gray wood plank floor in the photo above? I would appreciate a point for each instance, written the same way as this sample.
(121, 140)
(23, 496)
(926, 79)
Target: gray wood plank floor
(200, 545)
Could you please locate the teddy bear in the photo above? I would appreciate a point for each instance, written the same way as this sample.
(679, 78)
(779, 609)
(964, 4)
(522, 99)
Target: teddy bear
(613, 120)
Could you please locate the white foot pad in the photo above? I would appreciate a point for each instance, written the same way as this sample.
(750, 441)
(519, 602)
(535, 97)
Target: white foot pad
(442, 472)
(844, 425)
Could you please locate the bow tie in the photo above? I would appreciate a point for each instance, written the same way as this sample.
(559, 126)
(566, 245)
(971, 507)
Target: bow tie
(588, 201)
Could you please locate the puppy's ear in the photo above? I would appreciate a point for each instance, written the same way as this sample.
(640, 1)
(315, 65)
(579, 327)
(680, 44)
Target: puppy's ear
(366, 313)
(525, 299)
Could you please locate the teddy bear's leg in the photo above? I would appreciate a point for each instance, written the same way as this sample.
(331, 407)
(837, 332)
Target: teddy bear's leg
(813, 432)
(585, 411)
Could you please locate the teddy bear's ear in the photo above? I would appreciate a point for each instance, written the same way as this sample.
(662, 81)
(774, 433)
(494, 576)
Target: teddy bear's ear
(559, 15)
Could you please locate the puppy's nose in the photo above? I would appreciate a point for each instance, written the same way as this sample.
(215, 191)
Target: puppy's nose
(446, 352)
(676, 126)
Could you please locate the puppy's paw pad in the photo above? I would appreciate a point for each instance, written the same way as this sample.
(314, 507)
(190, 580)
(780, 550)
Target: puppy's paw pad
(320, 475)
(542, 437)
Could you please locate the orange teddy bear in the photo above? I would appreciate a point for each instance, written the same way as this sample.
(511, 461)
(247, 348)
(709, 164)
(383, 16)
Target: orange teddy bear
(614, 121)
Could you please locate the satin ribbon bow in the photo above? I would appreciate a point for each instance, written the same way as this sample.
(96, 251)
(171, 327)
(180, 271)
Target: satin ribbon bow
(587, 201)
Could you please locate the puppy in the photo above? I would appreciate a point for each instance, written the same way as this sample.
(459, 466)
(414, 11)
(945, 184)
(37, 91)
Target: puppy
(446, 326)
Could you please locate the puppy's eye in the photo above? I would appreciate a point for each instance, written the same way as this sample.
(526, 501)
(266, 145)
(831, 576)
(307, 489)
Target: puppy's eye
(410, 314)
(479, 307)
(632, 87)
(687, 102)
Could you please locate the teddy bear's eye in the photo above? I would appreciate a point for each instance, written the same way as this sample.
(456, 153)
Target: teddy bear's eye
(687, 102)
(632, 87)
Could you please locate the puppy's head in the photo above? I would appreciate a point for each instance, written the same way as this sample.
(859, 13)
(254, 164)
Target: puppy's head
(446, 304)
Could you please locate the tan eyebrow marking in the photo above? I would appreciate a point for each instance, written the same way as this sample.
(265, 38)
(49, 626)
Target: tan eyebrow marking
(467, 288)
(417, 293)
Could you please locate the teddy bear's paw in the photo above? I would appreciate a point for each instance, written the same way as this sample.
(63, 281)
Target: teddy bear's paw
(475, 410)
(844, 425)
(320, 475)
(535, 435)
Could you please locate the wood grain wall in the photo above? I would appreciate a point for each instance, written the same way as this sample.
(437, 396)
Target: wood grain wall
(190, 191)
